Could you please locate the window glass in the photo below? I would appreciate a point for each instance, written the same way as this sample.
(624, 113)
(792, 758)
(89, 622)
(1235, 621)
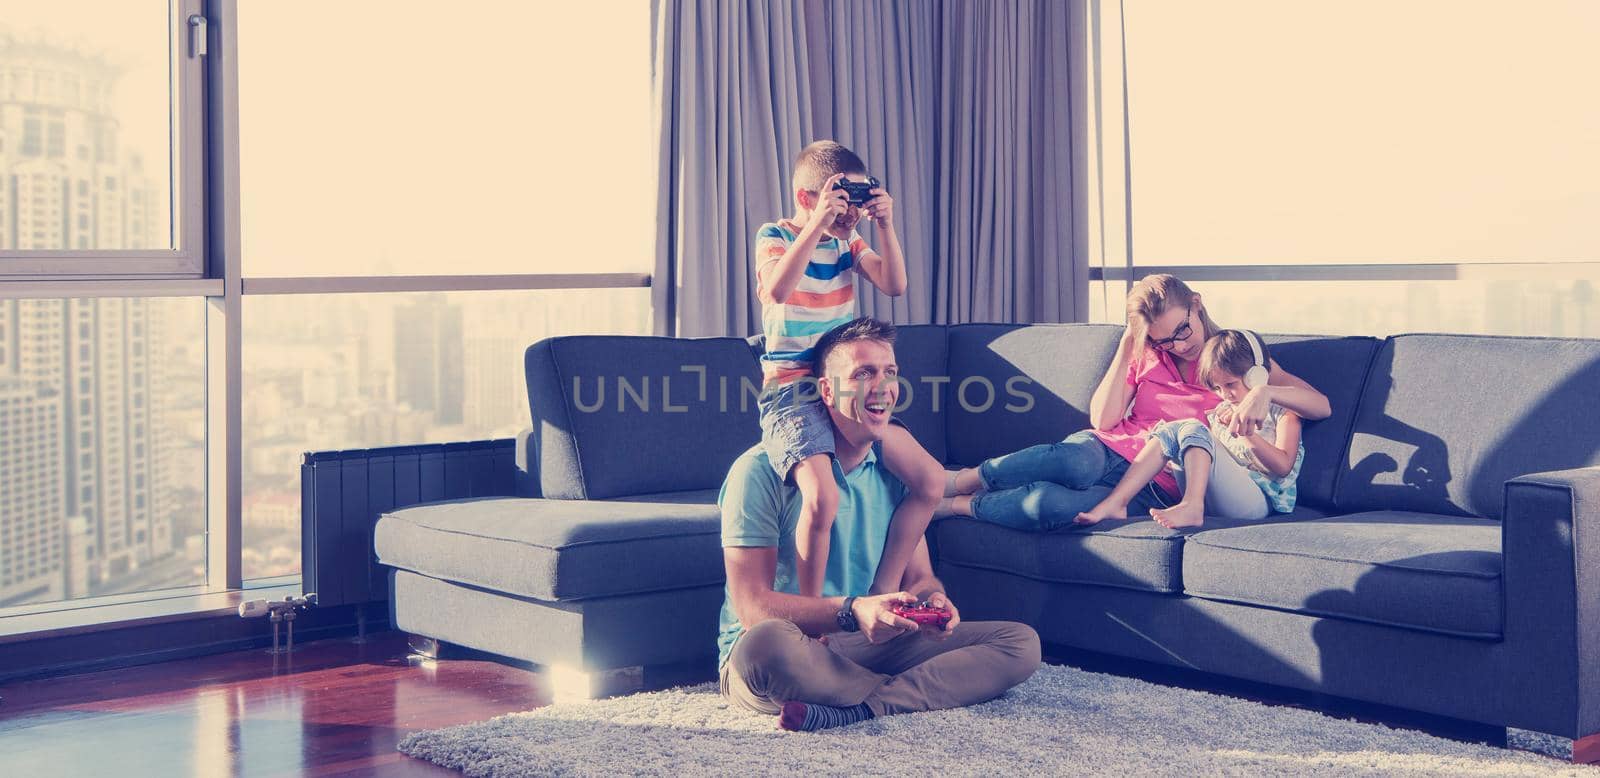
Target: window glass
(1273, 133)
(86, 94)
(102, 447)
(504, 137)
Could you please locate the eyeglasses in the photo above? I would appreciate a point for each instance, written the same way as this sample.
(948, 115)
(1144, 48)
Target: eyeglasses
(1183, 332)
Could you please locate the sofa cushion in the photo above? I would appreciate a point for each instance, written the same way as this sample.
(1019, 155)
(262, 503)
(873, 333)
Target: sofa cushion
(1035, 384)
(1446, 420)
(1429, 572)
(615, 415)
(1131, 554)
(557, 549)
(1338, 368)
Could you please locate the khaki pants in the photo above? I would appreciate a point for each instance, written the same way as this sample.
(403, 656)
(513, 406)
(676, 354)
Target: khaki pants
(774, 662)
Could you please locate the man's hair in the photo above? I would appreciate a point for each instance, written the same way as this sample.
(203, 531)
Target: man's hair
(864, 328)
(822, 159)
(1229, 351)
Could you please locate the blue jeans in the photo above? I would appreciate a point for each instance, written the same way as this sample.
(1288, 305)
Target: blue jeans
(1046, 486)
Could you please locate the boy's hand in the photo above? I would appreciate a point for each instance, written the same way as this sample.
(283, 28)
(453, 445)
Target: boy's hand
(880, 209)
(831, 203)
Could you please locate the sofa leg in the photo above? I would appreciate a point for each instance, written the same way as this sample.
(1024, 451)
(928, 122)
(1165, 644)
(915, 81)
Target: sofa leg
(1586, 750)
(424, 647)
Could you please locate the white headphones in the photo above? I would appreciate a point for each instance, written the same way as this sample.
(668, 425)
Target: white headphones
(1257, 374)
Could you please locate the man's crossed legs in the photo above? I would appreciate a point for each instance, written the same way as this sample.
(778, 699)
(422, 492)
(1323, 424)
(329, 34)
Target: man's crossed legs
(774, 663)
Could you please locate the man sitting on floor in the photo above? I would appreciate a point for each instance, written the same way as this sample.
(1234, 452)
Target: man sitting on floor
(843, 657)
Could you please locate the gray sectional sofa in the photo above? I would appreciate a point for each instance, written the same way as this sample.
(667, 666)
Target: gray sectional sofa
(1445, 557)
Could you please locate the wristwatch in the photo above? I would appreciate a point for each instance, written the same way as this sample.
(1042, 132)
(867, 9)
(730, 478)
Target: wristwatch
(847, 616)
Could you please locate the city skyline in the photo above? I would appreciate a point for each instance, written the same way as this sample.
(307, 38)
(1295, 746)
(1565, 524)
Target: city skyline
(96, 508)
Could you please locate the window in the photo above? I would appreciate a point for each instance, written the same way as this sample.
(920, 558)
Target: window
(108, 487)
(475, 195)
(1420, 150)
(1475, 174)
(403, 368)
(70, 102)
(103, 400)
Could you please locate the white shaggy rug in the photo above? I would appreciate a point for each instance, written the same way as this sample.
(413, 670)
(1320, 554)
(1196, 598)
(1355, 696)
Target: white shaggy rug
(1063, 721)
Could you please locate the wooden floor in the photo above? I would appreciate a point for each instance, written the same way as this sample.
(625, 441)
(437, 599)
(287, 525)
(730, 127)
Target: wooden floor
(333, 707)
(337, 708)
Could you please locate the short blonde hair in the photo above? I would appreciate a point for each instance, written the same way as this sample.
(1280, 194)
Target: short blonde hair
(1229, 352)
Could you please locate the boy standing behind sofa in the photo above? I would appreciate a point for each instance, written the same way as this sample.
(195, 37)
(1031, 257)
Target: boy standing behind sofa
(805, 280)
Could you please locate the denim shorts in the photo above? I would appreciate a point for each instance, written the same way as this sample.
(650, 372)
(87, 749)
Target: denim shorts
(794, 425)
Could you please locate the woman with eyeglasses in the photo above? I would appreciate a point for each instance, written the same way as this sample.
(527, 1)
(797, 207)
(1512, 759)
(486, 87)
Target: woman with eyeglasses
(1151, 379)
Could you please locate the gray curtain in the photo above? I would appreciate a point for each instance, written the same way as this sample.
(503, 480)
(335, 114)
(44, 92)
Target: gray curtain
(959, 106)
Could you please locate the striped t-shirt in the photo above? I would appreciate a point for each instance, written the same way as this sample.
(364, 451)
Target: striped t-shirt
(824, 299)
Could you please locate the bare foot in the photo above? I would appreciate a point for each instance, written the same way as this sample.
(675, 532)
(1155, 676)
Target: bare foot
(960, 505)
(964, 481)
(1107, 509)
(1179, 516)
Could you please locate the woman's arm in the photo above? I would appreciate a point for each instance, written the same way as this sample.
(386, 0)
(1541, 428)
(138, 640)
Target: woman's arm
(1110, 400)
(1286, 389)
(1292, 392)
(1278, 456)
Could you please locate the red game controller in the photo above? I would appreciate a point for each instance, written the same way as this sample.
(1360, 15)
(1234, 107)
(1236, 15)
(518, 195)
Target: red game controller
(921, 612)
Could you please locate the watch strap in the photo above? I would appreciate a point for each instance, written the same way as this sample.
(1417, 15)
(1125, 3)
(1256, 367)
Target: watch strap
(847, 615)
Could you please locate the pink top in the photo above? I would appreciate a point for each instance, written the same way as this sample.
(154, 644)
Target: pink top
(1160, 394)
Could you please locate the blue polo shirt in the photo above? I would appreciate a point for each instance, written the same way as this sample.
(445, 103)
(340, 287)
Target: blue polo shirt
(759, 511)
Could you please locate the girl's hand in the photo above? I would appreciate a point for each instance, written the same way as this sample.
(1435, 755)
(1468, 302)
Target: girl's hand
(1251, 412)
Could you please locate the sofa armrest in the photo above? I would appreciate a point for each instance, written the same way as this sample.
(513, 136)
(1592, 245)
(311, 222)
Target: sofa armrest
(527, 476)
(1551, 544)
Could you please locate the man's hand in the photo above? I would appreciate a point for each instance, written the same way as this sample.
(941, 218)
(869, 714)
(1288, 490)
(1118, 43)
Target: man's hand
(880, 209)
(831, 203)
(877, 621)
(938, 600)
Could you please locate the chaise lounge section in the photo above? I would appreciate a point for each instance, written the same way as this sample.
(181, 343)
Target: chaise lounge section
(1445, 556)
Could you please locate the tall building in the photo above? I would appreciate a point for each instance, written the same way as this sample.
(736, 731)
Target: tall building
(82, 432)
(497, 399)
(428, 359)
(94, 358)
(64, 183)
(32, 493)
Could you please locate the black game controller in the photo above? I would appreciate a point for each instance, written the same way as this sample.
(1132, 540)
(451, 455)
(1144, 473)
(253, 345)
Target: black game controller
(858, 192)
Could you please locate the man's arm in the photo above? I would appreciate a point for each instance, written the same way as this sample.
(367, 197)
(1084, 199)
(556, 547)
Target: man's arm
(750, 575)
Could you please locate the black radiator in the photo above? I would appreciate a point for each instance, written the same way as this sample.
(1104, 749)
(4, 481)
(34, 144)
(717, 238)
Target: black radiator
(342, 494)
